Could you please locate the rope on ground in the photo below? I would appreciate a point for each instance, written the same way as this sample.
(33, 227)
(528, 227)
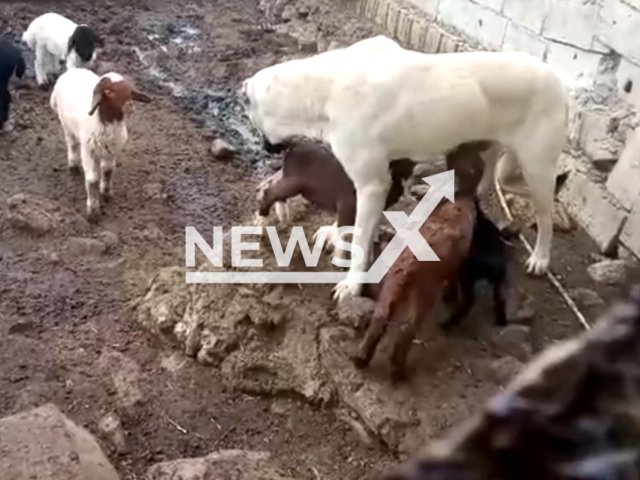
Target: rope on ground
(552, 278)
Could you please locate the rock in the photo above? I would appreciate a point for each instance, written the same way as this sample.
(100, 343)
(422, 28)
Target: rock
(524, 311)
(514, 340)
(228, 464)
(153, 191)
(357, 427)
(82, 247)
(111, 429)
(31, 215)
(502, 370)
(586, 297)
(356, 312)
(54, 258)
(109, 239)
(125, 374)
(44, 444)
(222, 150)
(609, 272)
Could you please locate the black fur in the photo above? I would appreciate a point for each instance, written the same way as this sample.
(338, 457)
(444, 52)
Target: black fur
(11, 63)
(272, 149)
(488, 259)
(84, 41)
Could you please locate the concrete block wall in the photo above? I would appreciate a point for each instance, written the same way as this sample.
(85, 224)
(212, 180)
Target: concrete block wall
(593, 45)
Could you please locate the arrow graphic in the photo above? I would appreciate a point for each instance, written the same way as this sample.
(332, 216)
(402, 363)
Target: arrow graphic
(408, 235)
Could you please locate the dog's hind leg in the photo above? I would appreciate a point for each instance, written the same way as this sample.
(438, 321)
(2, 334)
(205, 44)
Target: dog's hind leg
(538, 150)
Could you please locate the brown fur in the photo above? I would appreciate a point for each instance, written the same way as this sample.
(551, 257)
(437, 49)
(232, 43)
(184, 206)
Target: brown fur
(112, 99)
(415, 287)
(311, 170)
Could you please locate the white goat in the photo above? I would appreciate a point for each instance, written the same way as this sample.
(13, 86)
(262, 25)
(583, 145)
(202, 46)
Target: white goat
(92, 112)
(375, 102)
(56, 38)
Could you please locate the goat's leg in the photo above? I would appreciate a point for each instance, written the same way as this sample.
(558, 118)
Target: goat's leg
(375, 331)
(463, 303)
(73, 152)
(5, 104)
(420, 310)
(107, 166)
(280, 191)
(91, 179)
(500, 301)
(40, 64)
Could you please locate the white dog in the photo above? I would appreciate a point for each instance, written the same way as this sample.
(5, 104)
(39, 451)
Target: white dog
(375, 101)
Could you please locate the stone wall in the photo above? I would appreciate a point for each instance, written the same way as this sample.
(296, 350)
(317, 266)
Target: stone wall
(593, 45)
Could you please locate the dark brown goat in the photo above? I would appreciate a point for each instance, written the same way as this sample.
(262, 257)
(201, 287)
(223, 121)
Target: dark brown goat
(571, 414)
(310, 169)
(413, 287)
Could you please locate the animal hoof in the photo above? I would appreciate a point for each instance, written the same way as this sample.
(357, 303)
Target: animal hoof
(398, 375)
(360, 362)
(536, 267)
(106, 197)
(259, 220)
(74, 170)
(93, 216)
(344, 290)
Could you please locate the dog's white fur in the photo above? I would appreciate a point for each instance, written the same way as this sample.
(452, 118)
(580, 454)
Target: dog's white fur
(375, 101)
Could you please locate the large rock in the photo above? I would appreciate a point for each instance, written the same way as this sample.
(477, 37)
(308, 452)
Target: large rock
(594, 209)
(125, 374)
(624, 180)
(404, 416)
(609, 272)
(43, 444)
(226, 464)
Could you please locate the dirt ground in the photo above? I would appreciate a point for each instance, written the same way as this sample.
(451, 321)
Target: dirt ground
(61, 308)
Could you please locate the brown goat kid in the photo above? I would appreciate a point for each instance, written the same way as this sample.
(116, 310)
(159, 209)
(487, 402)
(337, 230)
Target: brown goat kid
(311, 170)
(413, 288)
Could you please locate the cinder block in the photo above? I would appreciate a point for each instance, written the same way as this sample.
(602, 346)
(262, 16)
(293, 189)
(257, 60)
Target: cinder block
(628, 77)
(527, 13)
(492, 4)
(403, 29)
(519, 39)
(433, 39)
(418, 34)
(624, 179)
(619, 26)
(449, 44)
(577, 68)
(479, 23)
(595, 139)
(391, 24)
(594, 210)
(630, 236)
(381, 13)
(572, 21)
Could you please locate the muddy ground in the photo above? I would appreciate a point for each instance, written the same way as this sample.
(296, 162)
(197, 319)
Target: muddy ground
(63, 299)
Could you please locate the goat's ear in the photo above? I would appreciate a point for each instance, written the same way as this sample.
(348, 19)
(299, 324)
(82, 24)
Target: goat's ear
(97, 98)
(98, 93)
(140, 97)
(71, 44)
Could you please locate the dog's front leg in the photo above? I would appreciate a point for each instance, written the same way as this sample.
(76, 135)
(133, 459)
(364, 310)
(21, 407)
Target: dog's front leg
(371, 196)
